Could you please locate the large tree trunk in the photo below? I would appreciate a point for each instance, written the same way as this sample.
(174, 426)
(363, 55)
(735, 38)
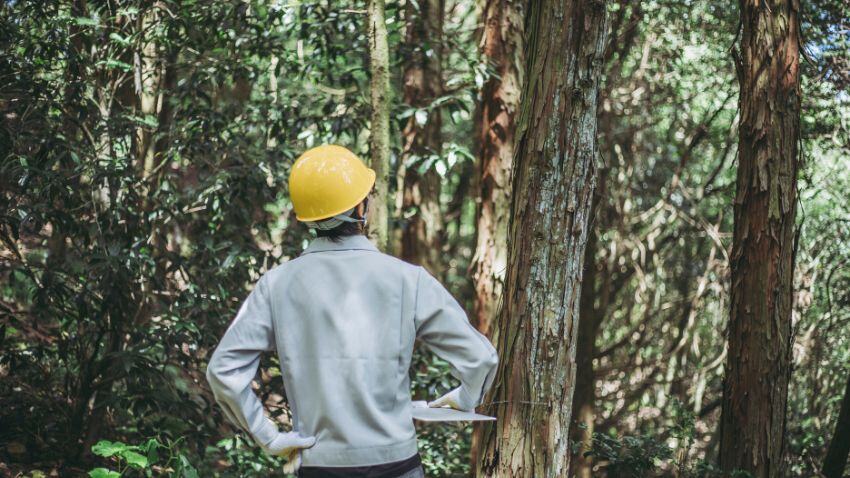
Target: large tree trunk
(496, 118)
(379, 128)
(755, 389)
(553, 187)
(422, 224)
(839, 447)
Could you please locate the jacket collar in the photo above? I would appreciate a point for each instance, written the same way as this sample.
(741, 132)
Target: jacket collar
(346, 243)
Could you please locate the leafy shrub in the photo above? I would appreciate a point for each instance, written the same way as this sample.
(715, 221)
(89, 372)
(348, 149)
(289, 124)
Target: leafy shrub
(632, 457)
(152, 458)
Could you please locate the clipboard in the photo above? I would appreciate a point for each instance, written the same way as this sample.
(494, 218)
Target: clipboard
(422, 412)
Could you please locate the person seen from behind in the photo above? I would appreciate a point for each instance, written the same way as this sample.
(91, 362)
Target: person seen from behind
(343, 318)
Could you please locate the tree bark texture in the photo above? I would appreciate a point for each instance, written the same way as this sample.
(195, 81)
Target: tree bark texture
(379, 129)
(755, 389)
(496, 116)
(839, 447)
(553, 185)
(422, 223)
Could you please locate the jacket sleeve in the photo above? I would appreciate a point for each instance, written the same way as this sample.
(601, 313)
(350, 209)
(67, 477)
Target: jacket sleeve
(234, 364)
(443, 326)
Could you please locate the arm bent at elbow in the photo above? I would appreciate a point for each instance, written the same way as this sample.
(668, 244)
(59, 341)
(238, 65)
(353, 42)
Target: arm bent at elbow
(233, 367)
(444, 327)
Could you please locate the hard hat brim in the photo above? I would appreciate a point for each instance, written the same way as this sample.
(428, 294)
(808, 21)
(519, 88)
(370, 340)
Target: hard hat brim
(347, 207)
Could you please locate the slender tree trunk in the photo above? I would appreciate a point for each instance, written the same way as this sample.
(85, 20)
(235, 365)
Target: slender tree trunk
(584, 398)
(454, 217)
(422, 224)
(496, 116)
(755, 389)
(379, 129)
(623, 30)
(839, 447)
(148, 76)
(590, 319)
(553, 185)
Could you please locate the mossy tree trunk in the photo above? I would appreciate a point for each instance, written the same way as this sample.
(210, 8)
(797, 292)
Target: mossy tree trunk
(379, 129)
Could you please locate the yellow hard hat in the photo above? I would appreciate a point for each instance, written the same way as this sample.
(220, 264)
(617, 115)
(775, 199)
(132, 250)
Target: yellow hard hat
(328, 180)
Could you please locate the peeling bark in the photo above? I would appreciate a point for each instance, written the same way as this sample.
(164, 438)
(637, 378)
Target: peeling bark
(496, 116)
(755, 389)
(553, 185)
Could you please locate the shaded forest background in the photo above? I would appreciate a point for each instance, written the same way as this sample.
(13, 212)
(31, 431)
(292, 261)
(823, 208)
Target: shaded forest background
(144, 151)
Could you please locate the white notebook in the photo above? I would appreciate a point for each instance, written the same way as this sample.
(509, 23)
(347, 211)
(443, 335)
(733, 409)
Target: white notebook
(422, 412)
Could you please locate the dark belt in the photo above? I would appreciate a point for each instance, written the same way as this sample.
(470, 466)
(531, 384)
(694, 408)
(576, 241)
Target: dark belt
(384, 470)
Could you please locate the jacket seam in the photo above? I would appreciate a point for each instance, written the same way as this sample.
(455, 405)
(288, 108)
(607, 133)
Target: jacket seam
(400, 345)
(416, 301)
(339, 250)
(267, 303)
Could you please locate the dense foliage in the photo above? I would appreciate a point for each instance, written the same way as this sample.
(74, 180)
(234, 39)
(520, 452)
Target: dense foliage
(144, 150)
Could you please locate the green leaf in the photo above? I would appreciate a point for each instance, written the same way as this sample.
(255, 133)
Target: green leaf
(407, 113)
(119, 39)
(227, 443)
(104, 473)
(106, 448)
(421, 117)
(86, 21)
(148, 120)
(128, 11)
(113, 63)
(134, 459)
(186, 468)
(151, 444)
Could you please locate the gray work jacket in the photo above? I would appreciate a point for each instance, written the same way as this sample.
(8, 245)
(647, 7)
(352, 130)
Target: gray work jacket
(343, 318)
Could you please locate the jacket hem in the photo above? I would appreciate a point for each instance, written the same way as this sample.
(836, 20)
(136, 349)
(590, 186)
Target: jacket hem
(359, 456)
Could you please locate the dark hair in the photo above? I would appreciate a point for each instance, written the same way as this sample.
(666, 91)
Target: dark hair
(345, 229)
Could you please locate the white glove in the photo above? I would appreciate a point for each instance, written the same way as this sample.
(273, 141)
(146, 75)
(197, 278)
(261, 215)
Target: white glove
(289, 446)
(457, 399)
